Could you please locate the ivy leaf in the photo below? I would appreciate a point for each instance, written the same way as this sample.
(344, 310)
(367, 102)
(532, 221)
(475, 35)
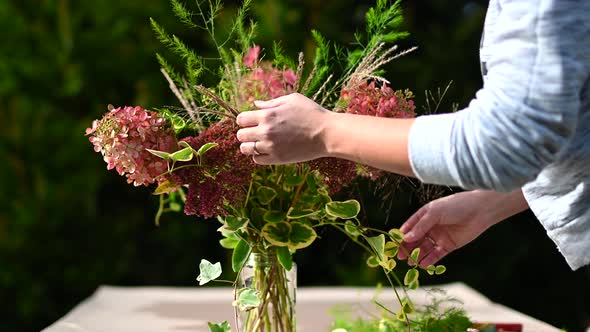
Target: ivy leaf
(208, 271)
(343, 210)
(285, 258)
(294, 235)
(161, 154)
(247, 298)
(185, 154)
(411, 276)
(378, 245)
(219, 327)
(265, 194)
(205, 147)
(233, 224)
(240, 255)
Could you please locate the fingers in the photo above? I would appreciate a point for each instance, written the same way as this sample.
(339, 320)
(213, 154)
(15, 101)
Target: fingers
(250, 148)
(272, 103)
(434, 256)
(248, 118)
(430, 251)
(248, 135)
(419, 224)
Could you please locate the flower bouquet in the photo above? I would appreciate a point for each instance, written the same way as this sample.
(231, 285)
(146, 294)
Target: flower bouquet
(265, 213)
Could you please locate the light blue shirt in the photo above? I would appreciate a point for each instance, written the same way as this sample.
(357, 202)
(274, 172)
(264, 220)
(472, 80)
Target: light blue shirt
(529, 126)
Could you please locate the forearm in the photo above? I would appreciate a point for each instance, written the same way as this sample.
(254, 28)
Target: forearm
(374, 141)
(497, 206)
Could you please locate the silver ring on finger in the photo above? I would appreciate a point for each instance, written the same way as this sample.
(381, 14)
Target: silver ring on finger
(255, 150)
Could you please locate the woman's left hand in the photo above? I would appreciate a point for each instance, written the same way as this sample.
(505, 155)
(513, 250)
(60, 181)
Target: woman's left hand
(287, 129)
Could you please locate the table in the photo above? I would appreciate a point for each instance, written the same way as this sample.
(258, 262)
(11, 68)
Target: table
(170, 309)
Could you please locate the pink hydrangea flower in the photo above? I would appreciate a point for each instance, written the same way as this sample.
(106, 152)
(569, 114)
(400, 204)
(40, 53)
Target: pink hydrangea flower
(251, 56)
(367, 99)
(264, 81)
(122, 137)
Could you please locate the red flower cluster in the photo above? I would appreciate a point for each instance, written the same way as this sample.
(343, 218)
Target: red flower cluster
(337, 173)
(366, 99)
(124, 134)
(222, 175)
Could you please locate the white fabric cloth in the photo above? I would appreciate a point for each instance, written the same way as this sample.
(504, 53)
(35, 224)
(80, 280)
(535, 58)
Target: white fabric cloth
(160, 309)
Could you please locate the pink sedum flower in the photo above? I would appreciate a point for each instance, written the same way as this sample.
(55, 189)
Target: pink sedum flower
(122, 137)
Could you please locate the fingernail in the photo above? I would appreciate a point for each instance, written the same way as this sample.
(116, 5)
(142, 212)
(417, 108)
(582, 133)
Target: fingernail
(410, 236)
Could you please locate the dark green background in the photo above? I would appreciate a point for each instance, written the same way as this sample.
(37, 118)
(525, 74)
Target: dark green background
(67, 225)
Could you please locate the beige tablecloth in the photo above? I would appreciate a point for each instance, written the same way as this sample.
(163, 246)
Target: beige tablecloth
(161, 309)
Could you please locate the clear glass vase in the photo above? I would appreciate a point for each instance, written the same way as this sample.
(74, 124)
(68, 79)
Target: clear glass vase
(277, 289)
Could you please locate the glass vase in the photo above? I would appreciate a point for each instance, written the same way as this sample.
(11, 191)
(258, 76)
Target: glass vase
(277, 290)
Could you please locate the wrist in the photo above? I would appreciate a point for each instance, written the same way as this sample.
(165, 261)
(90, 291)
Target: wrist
(326, 125)
(500, 206)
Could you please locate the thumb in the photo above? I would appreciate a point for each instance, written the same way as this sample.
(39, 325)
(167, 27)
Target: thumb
(272, 102)
(420, 223)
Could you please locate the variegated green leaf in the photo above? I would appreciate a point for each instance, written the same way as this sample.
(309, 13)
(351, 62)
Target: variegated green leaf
(343, 210)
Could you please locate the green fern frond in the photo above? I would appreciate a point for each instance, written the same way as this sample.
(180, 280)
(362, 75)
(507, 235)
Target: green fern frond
(185, 15)
(320, 62)
(164, 64)
(280, 59)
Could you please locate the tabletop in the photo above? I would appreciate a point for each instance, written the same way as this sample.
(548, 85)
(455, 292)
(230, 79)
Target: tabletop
(172, 309)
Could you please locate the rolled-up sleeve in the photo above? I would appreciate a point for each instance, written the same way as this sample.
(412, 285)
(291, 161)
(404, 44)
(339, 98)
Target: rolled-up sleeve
(525, 114)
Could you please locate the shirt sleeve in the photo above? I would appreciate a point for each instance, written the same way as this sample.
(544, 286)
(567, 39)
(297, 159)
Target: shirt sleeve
(527, 110)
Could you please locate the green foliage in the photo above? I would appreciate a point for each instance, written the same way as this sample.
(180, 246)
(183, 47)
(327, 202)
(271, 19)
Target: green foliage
(247, 298)
(208, 271)
(441, 315)
(240, 255)
(219, 327)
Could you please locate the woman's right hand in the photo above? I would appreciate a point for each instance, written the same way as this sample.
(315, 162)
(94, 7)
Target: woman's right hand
(448, 223)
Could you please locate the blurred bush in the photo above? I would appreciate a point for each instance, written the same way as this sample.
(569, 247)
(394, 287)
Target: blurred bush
(67, 225)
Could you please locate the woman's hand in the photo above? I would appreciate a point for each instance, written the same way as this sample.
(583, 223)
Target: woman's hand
(448, 223)
(287, 129)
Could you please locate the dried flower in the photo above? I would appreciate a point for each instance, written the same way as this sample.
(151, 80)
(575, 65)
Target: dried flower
(122, 137)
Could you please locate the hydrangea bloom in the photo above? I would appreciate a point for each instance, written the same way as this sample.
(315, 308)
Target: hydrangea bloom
(367, 99)
(122, 137)
(263, 81)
